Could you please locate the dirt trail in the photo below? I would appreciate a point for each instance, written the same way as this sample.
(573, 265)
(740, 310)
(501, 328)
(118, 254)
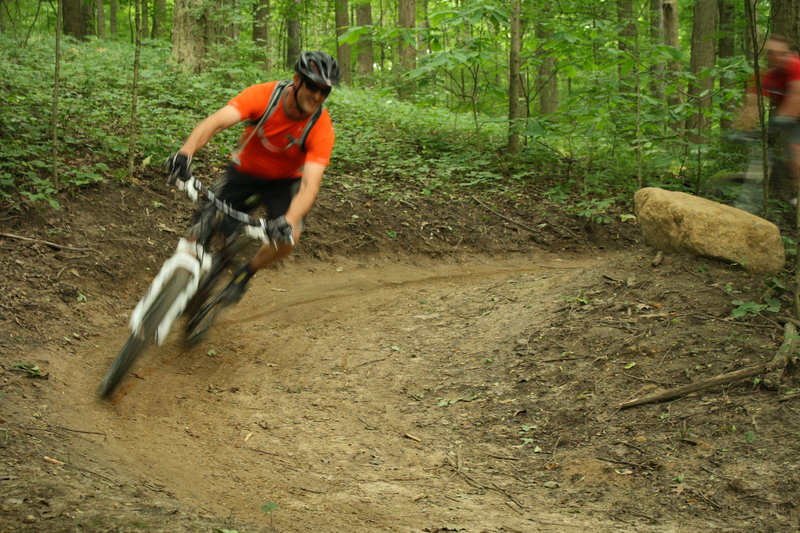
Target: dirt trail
(422, 395)
(324, 392)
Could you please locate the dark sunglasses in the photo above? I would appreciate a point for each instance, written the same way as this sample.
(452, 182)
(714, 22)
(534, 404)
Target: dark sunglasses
(314, 88)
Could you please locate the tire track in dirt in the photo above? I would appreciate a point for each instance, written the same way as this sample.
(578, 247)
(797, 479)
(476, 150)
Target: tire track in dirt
(327, 400)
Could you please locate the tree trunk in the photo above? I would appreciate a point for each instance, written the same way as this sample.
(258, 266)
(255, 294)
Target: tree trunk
(626, 43)
(656, 39)
(423, 46)
(293, 34)
(188, 35)
(217, 26)
(727, 12)
(406, 19)
(671, 25)
(704, 27)
(159, 19)
(514, 89)
(112, 18)
(261, 17)
(366, 59)
(784, 15)
(101, 20)
(72, 18)
(144, 17)
(89, 18)
(54, 105)
(135, 90)
(343, 50)
(546, 77)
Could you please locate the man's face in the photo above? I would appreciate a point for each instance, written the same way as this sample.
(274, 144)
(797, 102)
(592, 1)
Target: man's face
(310, 96)
(777, 52)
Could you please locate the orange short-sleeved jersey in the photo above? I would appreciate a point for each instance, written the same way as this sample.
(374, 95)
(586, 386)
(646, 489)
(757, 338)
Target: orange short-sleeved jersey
(272, 153)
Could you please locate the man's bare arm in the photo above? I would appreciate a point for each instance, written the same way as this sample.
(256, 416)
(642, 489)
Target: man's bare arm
(218, 121)
(790, 106)
(310, 183)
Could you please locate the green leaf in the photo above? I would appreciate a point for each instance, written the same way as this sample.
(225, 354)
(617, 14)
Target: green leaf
(29, 369)
(750, 436)
(353, 34)
(745, 308)
(773, 304)
(268, 507)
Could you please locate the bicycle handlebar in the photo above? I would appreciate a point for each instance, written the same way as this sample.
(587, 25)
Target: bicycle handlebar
(255, 228)
(742, 136)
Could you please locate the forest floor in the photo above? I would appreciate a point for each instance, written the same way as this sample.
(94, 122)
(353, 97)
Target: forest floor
(423, 366)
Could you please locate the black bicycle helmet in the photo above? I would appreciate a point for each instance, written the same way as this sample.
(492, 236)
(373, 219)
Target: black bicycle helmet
(319, 67)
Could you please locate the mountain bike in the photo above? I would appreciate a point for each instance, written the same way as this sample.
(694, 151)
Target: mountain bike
(748, 186)
(188, 281)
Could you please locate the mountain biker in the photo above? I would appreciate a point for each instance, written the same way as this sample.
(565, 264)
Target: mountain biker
(781, 84)
(272, 167)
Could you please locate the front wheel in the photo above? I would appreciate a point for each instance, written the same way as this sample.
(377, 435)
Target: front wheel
(198, 324)
(136, 343)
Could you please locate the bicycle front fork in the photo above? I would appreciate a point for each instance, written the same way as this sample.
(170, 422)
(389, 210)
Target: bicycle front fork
(189, 256)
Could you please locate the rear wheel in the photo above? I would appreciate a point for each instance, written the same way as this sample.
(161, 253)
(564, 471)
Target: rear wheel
(136, 343)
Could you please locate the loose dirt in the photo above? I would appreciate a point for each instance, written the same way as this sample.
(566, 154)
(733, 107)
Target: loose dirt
(408, 370)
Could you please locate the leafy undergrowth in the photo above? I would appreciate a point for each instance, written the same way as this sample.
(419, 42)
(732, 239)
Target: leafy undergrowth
(387, 149)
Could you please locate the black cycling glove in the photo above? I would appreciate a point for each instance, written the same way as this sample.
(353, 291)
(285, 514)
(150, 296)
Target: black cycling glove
(179, 166)
(280, 231)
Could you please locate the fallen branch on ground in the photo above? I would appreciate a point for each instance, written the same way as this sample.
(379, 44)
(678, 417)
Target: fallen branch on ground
(704, 384)
(783, 358)
(787, 353)
(48, 243)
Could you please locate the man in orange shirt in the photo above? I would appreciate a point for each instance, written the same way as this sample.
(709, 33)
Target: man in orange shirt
(273, 166)
(781, 84)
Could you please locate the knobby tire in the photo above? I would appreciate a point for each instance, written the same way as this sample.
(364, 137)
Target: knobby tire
(206, 306)
(136, 344)
(202, 321)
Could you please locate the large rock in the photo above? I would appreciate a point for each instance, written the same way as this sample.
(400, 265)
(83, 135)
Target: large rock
(676, 221)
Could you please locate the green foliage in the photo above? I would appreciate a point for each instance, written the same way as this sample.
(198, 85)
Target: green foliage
(94, 112)
(394, 149)
(269, 507)
(29, 370)
(744, 308)
(612, 132)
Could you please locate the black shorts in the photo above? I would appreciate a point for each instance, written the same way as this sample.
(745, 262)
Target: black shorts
(246, 193)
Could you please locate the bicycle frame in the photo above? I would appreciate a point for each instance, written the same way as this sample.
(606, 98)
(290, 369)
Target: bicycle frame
(177, 283)
(192, 256)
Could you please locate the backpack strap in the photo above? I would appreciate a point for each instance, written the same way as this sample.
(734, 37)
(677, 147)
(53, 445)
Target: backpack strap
(274, 99)
(310, 124)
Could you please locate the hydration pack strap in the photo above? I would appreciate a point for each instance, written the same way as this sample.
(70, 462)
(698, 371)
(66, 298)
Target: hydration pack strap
(274, 99)
(271, 105)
